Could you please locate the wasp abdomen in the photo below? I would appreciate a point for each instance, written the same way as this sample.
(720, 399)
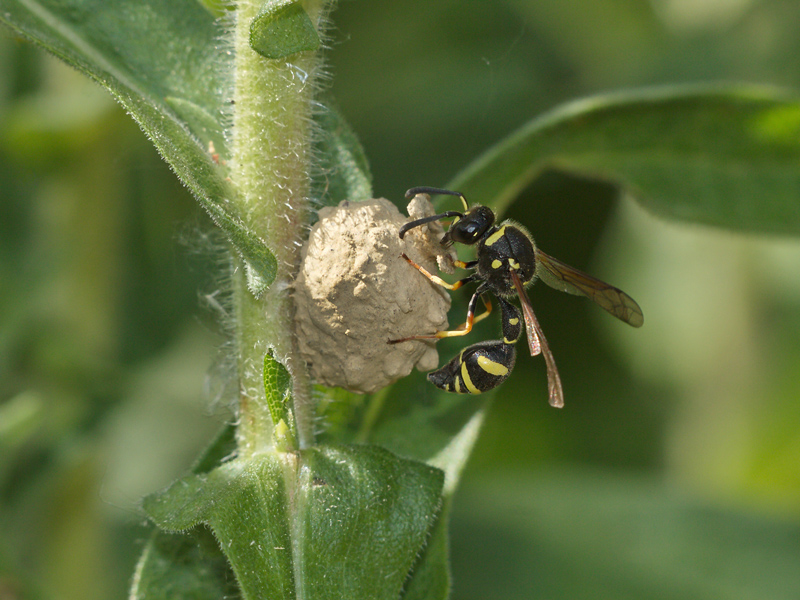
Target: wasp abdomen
(485, 365)
(477, 368)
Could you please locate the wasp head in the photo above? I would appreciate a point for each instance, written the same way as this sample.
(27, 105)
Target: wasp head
(470, 228)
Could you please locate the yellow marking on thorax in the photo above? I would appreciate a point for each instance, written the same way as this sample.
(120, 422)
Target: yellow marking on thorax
(513, 321)
(491, 367)
(467, 381)
(495, 236)
(496, 264)
(513, 264)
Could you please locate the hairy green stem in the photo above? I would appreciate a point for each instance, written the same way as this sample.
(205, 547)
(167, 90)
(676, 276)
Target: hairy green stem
(270, 169)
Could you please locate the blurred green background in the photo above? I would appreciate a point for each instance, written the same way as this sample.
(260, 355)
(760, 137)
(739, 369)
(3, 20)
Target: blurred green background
(673, 471)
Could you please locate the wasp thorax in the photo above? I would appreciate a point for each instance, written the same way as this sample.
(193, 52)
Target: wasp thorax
(354, 292)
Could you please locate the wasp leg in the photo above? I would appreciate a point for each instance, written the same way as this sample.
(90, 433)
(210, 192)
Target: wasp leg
(438, 280)
(477, 368)
(466, 327)
(488, 305)
(465, 265)
(463, 329)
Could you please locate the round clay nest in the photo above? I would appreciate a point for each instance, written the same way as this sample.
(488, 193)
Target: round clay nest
(354, 292)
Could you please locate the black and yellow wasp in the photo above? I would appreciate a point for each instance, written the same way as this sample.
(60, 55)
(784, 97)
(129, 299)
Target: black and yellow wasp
(506, 260)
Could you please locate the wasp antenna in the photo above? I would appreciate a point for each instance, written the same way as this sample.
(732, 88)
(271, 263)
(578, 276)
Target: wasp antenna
(445, 215)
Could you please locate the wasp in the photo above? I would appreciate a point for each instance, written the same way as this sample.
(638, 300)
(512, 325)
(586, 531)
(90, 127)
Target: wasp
(506, 261)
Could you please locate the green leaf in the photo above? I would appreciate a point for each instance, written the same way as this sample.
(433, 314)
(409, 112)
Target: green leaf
(416, 420)
(277, 387)
(430, 579)
(327, 522)
(244, 503)
(278, 393)
(342, 170)
(183, 566)
(429, 425)
(720, 155)
(121, 45)
(368, 517)
(188, 565)
(261, 262)
(282, 28)
(128, 57)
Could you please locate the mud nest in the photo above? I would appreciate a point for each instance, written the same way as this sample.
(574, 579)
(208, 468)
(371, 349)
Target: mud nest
(354, 293)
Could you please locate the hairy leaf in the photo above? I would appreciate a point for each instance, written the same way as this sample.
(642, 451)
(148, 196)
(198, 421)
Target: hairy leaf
(343, 170)
(183, 566)
(722, 155)
(188, 565)
(328, 522)
(282, 28)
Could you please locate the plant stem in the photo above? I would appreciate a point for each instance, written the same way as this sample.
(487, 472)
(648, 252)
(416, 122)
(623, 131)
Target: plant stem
(270, 168)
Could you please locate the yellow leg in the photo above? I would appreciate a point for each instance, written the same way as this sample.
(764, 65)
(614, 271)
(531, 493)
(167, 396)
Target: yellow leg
(467, 326)
(462, 265)
(462, 330)
(434, 278)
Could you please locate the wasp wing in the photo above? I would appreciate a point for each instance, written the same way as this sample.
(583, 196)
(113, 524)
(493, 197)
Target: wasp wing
(562, 277)
(538, 345)
(531, 324)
